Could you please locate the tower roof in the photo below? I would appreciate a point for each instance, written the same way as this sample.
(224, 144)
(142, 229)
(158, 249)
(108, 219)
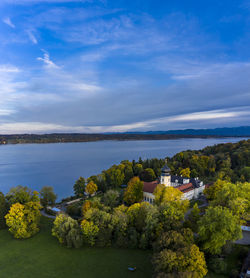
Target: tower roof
(165, 169)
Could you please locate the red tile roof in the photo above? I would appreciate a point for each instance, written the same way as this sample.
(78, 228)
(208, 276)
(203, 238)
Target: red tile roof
(185, 187)
(150, 186)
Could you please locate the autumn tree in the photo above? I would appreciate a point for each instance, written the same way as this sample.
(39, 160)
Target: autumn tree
(213, 189)
(177, 254)
(134, 191)
(236, 197)
(47, 196)
(3, 210)
(67, 231)
(86, 206)
(170, 195)
(216, 227)
(23, 220)
(79, 187)
(91, 188)
(185, 172)
(89, 231)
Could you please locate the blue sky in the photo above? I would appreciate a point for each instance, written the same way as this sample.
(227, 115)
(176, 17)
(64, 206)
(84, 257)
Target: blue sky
(121, 65)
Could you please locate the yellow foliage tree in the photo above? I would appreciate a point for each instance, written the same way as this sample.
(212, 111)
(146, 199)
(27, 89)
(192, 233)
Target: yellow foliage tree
(185, 172)
(89, 231)
(85, 207)
(23, 220)
(91, 188)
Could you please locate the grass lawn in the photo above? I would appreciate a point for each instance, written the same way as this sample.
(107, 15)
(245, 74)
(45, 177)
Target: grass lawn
(43, 257)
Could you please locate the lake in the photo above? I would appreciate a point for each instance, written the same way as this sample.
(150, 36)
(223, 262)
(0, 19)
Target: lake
(61, 164)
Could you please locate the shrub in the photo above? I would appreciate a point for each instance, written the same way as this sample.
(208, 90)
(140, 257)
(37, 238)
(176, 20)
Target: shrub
(218, 265)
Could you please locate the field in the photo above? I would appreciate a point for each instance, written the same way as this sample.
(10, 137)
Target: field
(43, 257)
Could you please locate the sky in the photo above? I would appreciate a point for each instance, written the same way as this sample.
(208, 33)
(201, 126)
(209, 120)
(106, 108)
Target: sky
(123, 65)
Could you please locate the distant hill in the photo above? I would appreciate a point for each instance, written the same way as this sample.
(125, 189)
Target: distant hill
(149, 135)
(224, 131)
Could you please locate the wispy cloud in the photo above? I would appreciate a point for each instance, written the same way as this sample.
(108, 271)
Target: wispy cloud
(7, 21)
(47, 61)
(32, 37)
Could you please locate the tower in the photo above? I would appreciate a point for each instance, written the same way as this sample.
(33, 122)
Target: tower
(165, 175)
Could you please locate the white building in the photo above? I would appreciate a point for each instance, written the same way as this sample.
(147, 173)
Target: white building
(191, 188)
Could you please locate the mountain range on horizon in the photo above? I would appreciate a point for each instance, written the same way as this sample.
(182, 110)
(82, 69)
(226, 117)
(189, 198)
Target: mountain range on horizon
(223, 131)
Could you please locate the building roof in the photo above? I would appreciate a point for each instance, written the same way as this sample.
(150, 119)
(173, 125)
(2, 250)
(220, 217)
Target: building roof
(165, 169)
(149, 187)
(185, 187)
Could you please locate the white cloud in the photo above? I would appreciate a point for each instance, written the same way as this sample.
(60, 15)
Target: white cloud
(48, 63)
(8, 69)
(7, 21)
(40, 127)
(32, 37)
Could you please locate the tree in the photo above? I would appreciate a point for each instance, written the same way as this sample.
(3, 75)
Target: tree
(212, 190)
(67, 231)
(134, 191)
(174, 240)
(193, 218)
(236, 197)
(86, 206)
(3, 210)
(103, 220)
(90, 231)
(79, 187)
(91, 188)
(47, 196)
(21, 194)
(216, 227)
(115, 175)
(23, 220)
(170, 195)
(148, 175)
(178, 255)
(111, 198)
(185, 172)
(138, 169)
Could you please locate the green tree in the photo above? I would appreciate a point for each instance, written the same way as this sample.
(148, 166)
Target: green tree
(134, 191)
(3, 210)
(21, 194)
(90, 231)
(47, 196)
(23, 220)
(111, 198)
(115, 176)
(236, 197)
(67, 231)
(216, 227)
(138, 169)
(91, 188)
(178, 255)
(212, 190)
(193, 218)
(79, 187)
(148, 175)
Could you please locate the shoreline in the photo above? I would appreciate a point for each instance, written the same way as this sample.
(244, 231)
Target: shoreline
(85, 138)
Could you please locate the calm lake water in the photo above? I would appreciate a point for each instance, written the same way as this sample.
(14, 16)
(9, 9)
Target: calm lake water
(60, 165)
